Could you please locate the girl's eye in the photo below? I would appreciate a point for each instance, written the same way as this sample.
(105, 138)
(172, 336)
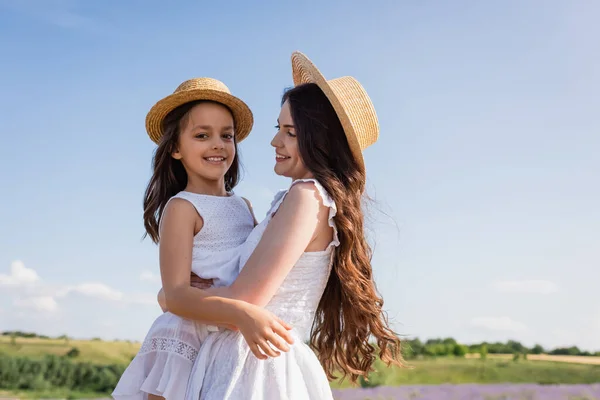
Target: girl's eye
(201, 136)
(228, 136)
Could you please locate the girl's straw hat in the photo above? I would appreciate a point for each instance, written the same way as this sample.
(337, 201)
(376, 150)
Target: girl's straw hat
(200, 89)
(350, 101)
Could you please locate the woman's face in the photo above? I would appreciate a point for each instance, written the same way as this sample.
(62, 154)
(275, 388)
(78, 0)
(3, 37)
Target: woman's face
(287, 157)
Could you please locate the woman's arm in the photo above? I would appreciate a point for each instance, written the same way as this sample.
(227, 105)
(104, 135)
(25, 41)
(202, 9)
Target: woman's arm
(175, 248)
(286, 237)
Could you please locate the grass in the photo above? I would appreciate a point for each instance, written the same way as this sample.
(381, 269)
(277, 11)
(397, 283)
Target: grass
(50, 394)
(546, 357)
(498, 368)
(94, 351)
(459, 370)
(437, 371)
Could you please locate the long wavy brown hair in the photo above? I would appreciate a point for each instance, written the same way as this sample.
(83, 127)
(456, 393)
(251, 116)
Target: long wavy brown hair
(168, 174)
(350, 311)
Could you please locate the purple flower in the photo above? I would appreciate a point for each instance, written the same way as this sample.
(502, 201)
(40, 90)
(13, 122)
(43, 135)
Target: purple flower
(473, 392)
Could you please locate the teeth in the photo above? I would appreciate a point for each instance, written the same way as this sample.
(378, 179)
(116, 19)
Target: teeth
(215, 158)
(280, 157)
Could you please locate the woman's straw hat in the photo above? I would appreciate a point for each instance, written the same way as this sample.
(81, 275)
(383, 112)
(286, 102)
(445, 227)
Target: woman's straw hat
(200, 89)
(350, 101)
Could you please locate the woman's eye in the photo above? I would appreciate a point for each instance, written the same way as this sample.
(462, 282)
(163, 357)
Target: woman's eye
(291, 134)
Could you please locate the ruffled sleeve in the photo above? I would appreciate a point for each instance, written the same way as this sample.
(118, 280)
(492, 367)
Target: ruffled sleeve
(325, 197)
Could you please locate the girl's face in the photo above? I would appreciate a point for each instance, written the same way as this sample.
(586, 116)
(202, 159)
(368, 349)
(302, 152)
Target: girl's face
(206, 145)
(287, 157)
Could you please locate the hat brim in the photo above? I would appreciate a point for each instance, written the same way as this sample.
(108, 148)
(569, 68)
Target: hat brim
(304, 71)
(242, 115)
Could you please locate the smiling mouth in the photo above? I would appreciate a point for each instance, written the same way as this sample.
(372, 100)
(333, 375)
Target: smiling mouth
(215, 159)
(279, 157)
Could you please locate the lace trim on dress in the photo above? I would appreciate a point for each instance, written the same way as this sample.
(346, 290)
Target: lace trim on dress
(170, 345)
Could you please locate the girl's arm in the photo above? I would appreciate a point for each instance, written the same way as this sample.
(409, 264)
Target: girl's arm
(251, 210)
(179, 222)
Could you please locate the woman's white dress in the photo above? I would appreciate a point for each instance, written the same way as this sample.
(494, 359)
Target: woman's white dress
(226, 368)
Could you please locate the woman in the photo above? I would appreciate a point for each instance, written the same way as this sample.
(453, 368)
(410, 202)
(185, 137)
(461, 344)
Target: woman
(308, 262)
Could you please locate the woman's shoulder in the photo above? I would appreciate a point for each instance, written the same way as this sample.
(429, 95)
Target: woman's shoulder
(311, 190)
(304, 193)
(309, 195)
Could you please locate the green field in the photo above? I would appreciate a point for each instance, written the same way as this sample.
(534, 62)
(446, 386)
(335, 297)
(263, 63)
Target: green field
(431, 371)
(460, 370)
(94, 351)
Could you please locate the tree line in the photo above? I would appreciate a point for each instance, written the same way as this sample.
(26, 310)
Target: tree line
(449, 346)
(415, 347)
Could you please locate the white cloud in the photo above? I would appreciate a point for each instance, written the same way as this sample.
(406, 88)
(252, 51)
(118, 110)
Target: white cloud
(19, 275)
(149, 277)
(96, 290)
(147, 299)
(526, 286)
(40, 304)
(505, 324)
(101, 291)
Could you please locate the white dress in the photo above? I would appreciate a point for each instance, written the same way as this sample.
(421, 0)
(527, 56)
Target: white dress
(165, 359)
(226, 369)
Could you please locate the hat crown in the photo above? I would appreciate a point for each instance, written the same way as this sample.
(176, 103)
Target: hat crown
(203, 84)
(349, 100)
(359, 109)
(200, 89)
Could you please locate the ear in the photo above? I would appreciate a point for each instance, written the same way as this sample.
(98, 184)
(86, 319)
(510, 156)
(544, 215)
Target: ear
(176, 154)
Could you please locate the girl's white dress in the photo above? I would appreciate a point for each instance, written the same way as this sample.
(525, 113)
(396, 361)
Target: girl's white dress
(226, 369)
(164, 362)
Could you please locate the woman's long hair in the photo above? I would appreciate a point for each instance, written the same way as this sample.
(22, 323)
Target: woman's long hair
(169, 176)
(350, 310)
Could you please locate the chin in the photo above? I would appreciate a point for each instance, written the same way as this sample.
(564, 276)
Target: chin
(278, 170)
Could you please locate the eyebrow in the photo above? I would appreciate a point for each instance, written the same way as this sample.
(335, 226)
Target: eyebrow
(208, 127)
(285, 126)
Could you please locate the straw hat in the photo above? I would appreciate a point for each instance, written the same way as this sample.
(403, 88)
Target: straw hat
(350, 101)
(200, 89)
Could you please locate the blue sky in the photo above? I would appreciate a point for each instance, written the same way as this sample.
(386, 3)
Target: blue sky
(485, 178)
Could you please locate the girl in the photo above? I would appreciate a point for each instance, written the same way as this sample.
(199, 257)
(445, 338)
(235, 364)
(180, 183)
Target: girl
(199, 225)
(308, 262)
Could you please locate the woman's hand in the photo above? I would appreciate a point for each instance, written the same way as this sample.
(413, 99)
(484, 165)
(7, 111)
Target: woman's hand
(261, 328)
(200, 283)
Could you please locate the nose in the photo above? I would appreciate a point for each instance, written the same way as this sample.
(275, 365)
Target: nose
(276, 141)
(218, 144)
